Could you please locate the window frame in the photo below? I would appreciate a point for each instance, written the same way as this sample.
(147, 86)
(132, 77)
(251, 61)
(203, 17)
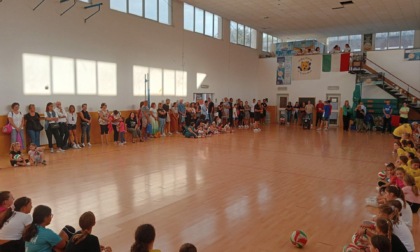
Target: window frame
(214, 18)
(143, 11)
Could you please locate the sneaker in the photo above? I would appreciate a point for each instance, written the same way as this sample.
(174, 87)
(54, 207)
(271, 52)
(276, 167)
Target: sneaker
(163, 135)
(82, 145)
(44, 162)
(28, 164)
(169, 134)
(78, 146)
(88, 144)
(15, 165)
(60, 150)
(74, 146)
(52, 150)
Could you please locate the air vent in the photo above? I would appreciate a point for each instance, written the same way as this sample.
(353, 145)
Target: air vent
(282, 89)
(338, 8)
(204, 86)
(333, 88)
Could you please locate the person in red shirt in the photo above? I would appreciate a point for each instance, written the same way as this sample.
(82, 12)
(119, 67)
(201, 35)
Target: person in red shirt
(319, 111)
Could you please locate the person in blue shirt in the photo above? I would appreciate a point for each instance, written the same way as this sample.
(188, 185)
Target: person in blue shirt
(37, 237)
(387, 110)
(326, 116)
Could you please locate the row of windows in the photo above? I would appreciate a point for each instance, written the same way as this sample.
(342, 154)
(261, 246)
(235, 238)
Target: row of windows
(394, 40)
(383, 41)
(200, 21)
(46, 75)
(243, 35)
(157, 10)
(268, 41)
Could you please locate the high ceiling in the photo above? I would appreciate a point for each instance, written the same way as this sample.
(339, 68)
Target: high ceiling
(300, 19)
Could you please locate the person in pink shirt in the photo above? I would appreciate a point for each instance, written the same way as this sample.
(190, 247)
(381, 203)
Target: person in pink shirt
(398, 179)
(411, 193)
(122, 129)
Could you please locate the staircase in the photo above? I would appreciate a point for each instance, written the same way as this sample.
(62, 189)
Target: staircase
(396, 87)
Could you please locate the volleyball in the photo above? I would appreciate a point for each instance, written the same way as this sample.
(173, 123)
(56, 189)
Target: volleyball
(299, 238)
(381, 175)
(361, 241)
(17, 157)
(351, 248)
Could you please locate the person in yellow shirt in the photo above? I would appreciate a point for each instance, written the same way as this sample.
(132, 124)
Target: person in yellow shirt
(398, 148)
(414, 170)
(402, 162)
(400, 130)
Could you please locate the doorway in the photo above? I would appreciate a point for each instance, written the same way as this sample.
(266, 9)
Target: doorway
(336, 104)
(282, 100)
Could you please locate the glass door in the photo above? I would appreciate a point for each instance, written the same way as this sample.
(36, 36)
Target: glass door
(336, 104)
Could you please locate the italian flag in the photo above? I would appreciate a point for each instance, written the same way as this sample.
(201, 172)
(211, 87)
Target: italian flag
(337, 62)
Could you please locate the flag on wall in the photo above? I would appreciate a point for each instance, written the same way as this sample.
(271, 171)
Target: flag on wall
(284, 70)
(306, 67)
(337, 62)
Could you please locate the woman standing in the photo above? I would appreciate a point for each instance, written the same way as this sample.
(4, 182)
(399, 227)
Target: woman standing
(52, 128)
(33, 125)
(296, 112)
(71, 125)
(154, 119)
(116, 116)
(103, 123)
(302, 113)
(360, 117)
(162, 119)
(174, 118)
(15, 118)
(86, 121)
(289, 112)
(346, 115)
(247, 110)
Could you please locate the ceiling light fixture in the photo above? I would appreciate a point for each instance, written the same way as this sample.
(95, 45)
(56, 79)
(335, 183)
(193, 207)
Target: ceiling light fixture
(346, 2)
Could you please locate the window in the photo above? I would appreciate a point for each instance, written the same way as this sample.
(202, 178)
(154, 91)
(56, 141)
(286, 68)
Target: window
(355, 42)
(157, 10)
(394, 40)
(243, 35)
(86, 1)
(268, 42)
(203, 22)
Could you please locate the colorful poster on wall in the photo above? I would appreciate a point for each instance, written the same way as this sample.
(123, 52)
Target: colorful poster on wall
(306, 67)
(284, 68)
(411, 54)
(367, 42)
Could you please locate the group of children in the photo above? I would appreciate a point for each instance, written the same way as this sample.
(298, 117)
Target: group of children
(397, 201)
(35, 154)
(21, 231)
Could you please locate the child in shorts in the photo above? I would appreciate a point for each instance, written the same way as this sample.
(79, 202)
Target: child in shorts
(36, 155)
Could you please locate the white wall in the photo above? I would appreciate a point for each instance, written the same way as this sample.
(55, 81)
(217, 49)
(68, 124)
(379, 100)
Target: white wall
(393, 61)
(123, 39)
(310, 88)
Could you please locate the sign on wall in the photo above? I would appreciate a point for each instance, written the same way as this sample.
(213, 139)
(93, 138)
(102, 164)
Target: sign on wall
(306, 67)
(411, 54)
(284, 70)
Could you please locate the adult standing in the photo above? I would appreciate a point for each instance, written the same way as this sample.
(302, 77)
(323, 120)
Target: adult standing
(167, 108)
(289, 112)
(204, 109)
(241, 115)
(309, 109)
(153, 119)
(247, 110)
(360, 117)
(319, 111)
(226, 109)
(162, 119)
(346, 115)
(231, 112)
(252, 111)
(103, 115)
(182, 111)
(264, 107)
(15, 118)
(404, 110)
(62, 122)
(72, 127)
(258, 111)
(302, 113)
(86, 121)
(326, 116)
(210, 109)
(387, 111)
(33, 125)
(52, 128)
(174, 117)
(145, 114)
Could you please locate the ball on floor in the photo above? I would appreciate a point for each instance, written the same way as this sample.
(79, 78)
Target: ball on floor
(299, 238)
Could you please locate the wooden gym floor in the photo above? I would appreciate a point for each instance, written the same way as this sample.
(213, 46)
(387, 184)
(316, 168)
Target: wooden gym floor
(238, 192)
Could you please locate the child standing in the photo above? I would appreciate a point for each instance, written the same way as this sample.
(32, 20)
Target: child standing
(36, 155)
(16, 157)
(122, 129)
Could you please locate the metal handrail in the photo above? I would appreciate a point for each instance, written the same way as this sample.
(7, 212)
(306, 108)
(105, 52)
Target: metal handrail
(409, 86)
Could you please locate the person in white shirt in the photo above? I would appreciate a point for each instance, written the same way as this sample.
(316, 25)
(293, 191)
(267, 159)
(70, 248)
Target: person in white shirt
(12, 226)
(15, 118)
(62, 121)
(71, 125)
(252, 111)
(347, 48)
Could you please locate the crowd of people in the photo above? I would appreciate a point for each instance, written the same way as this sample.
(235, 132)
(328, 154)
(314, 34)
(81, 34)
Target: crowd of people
(193, 120)
(397, 201)
(22, 232)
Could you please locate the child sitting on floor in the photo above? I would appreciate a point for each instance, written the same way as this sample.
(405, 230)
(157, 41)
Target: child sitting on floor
(15, 156)
(36, 155)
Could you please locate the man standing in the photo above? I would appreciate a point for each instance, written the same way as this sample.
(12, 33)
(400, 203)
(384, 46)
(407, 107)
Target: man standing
(182, 114)
(309, 108)
(252, 111)
(326, 116)
(264, 107)
(86, 122)
(319, 112)
(231, 112)
(62, 121)
(145, 113)
(166, 107)
(226, 107)
(204, 110)
(387, 111)
(210, 110)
